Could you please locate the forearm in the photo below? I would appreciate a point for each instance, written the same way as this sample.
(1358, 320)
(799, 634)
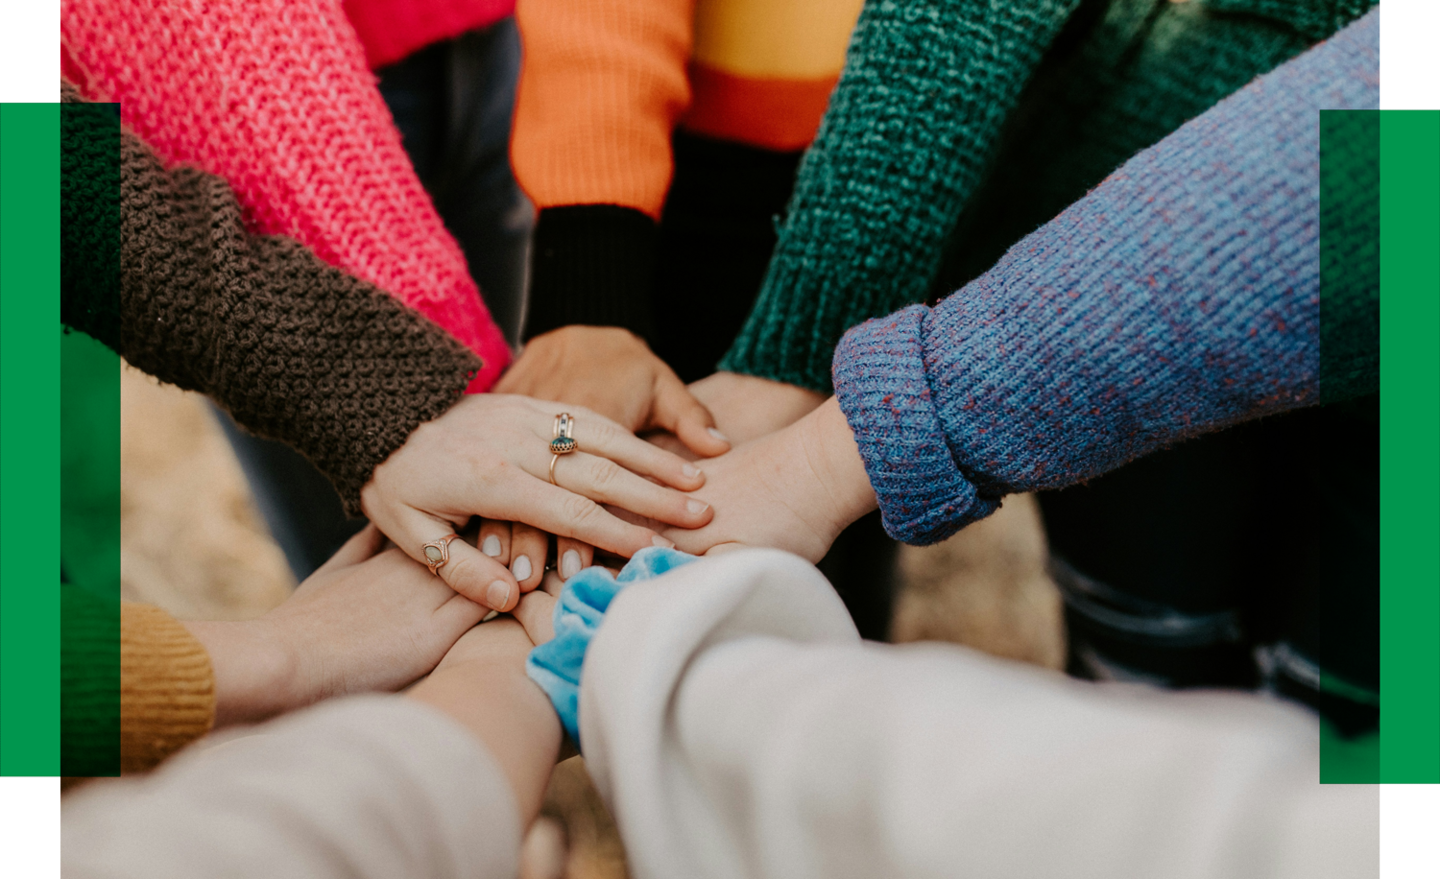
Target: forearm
(601, 87)
(925, 90)
(1179, 297)
(491, 697)
(731, 713)
(158, 265)
(366, 787)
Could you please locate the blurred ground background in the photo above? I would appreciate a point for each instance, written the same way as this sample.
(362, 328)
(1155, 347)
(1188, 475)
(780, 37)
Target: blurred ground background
(192, 543)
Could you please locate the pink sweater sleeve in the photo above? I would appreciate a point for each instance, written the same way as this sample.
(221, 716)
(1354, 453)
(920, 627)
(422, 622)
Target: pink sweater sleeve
(275, 96)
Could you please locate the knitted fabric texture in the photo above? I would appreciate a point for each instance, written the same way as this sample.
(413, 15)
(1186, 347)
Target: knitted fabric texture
(1181, 296)
(391, 29)
(165, 686)
(275, 97)
(915, 127)
(295, 349)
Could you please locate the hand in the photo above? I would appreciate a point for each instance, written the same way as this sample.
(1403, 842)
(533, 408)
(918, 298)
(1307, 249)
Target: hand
(612, 371)
(366, 620)
(489, 456)
(747, 407)
(795, 489)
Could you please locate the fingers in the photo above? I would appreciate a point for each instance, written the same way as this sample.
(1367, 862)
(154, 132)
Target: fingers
(528, 548)
(603, 480)
(494, 540)
(566, 514)
(675, 409)
(536, 613)
(571, 556)
(603, 437)
(365, 543)
(467, 570)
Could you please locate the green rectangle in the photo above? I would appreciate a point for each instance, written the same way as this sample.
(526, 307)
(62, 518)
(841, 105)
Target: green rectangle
(1410, 447)
(89, 444)
(29, 439)
(1348, 608)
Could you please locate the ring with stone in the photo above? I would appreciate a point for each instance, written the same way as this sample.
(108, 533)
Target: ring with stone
(564, 433)
(437, 553)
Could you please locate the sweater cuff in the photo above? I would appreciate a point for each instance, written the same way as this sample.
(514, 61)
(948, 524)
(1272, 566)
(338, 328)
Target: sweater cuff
(592, 264)
(880, 381)
(556, 665)
(167, 687)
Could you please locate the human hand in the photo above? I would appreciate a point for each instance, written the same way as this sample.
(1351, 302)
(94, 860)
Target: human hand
(489, 456)
(612, 371)
(747, 407)
(366, 620)
(795, 489)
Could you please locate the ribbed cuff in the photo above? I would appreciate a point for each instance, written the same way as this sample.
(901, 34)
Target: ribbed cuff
(167, 687)
(883, 390)
(592, 264)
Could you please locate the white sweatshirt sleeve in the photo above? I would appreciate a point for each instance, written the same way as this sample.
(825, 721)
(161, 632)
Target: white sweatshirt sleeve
(371, 787)
(738, 727)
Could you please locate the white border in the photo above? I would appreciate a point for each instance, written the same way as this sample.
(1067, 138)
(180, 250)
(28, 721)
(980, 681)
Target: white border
(29, 51)
(1409, 62)
(30, 827)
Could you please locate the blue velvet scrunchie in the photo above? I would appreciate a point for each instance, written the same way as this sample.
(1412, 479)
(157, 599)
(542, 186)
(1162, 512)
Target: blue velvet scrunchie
(556, 664)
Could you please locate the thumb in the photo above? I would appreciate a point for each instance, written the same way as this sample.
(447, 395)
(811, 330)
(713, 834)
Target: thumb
(675, 409)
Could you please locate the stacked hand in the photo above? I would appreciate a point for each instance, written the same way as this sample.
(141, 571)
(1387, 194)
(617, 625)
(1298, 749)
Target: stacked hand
(490, 456)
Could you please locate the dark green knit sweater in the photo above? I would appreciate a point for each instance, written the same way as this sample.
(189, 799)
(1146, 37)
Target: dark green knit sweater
(971, 123)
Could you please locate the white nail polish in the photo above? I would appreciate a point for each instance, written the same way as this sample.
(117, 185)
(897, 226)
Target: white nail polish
(690, 471)
(718, 435)
(696, 507)
(569, 564)
(657, 540)
(490, 546)
(521, 568)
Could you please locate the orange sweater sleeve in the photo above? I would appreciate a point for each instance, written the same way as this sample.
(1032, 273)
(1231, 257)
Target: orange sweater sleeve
(602, 83)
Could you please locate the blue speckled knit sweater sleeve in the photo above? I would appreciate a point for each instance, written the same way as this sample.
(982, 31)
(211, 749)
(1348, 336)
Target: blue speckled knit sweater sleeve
(1178, 297)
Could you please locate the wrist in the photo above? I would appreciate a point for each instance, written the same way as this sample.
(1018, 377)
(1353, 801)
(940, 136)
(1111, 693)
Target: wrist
(256, 672)
(592, 264)
(834, 456)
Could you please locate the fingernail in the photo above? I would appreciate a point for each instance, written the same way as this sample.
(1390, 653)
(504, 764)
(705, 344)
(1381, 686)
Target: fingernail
(569, 564)
(690, 471)
(696, 507)
(491, 546)
(657, 540)
(718, 435)
(497, 594)
(521, 568)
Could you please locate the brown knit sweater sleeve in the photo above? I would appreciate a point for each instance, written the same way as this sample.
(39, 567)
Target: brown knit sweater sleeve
(167, 687)
(292, 347)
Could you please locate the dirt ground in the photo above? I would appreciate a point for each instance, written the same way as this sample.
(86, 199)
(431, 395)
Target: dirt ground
(192, 543)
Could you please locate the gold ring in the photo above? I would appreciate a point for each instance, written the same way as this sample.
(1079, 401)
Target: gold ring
(553, 458)
(437, 553)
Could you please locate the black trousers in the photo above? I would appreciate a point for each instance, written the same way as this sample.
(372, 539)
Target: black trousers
(1247, 558)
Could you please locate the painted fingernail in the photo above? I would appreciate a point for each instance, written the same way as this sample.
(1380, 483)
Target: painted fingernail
(491, 546)
(498, 594)
(696, 507)
(521, 568)
(718, 435)
(657, 540)
(690, 471)
(569, 564)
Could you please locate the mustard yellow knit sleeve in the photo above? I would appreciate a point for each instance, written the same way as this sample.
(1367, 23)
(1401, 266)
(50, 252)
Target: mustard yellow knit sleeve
(167, 687)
